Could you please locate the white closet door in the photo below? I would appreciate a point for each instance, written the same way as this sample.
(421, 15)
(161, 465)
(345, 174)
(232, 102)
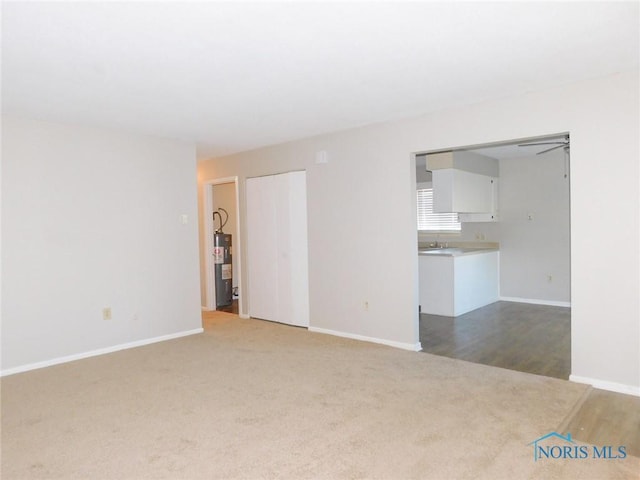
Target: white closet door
(283, 221)
(262, 248)
(277, 248)
(298, 249)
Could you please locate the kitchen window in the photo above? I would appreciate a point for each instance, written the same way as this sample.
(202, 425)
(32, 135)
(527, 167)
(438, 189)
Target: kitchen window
(431, 222)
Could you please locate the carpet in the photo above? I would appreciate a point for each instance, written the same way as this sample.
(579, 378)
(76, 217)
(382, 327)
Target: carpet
(252, 399)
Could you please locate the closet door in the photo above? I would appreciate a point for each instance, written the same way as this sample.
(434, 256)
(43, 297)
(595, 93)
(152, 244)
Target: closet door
(277, 248)
(262, 248)
(293, 272)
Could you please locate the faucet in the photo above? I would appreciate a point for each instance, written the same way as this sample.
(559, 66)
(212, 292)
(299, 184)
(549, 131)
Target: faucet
(437, 244)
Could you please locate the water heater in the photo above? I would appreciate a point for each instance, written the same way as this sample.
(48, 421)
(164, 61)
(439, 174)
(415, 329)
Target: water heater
(222, 262)
(223, 269)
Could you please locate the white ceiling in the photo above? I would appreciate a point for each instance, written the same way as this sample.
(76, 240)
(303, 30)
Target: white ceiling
(233, 76)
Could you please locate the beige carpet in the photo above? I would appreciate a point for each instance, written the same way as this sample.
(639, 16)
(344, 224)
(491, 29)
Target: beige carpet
(252, 399)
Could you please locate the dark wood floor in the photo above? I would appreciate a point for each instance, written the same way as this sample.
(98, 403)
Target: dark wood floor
(233, 308)
(517, 336)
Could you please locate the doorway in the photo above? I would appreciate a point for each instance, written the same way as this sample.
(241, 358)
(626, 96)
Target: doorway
(222, 194)
(532, 232)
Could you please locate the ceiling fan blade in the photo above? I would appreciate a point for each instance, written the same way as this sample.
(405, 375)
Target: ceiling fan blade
(541, 143)
(553, 148)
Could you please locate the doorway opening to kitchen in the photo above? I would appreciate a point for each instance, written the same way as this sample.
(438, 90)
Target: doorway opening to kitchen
(494, 254)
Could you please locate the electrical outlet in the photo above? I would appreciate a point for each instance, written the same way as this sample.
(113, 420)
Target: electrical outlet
(106, 313)
(366, 306)
(549, 278)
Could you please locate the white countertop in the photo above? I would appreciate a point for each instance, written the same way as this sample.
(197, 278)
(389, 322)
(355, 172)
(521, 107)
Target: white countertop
(454, 251)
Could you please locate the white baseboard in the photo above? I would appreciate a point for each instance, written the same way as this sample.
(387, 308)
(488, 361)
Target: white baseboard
(244, 316)
(535, 301)
(207, 309)
(405, 346)
(605, 385)
(100, 351)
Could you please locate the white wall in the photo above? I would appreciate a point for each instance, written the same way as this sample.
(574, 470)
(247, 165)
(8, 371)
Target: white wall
(91, 219)
(350, 246)
(361, 204)
(532, 250)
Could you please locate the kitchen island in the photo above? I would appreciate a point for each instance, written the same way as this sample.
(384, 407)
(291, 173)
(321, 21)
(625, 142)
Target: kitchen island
(454, 281)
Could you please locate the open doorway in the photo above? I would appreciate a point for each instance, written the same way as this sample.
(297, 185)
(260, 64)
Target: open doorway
(528, 326)
(221, 195)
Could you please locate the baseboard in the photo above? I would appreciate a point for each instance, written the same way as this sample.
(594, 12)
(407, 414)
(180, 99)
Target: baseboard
(535, 301)
(244, 316)
(207, 309)
(94, 353)
(404, 346)
(605, 385)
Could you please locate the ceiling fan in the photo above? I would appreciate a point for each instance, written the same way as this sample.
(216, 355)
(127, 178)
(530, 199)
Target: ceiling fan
(565, 144)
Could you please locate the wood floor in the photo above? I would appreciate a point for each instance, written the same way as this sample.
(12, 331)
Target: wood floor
(517, 336)
(233, 308)
(534, 339)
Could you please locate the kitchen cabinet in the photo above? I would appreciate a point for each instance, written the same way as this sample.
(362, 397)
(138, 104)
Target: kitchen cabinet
(451, 285)
(491, 215)
(460, 191)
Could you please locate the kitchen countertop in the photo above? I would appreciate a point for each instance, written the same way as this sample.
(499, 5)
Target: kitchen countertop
(455, 251)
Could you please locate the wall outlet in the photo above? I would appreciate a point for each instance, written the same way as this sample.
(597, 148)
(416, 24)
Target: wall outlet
(366, 306)
(106, 313)
(549, 278)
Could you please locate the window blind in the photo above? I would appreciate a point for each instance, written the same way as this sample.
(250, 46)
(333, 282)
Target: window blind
(434, 222)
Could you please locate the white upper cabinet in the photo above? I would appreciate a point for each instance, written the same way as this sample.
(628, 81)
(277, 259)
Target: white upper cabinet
(465, 183)
(491, 215)
(461, 192)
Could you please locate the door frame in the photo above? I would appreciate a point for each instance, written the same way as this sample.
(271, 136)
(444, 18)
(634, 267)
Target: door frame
(567, 166)
(210, 291)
